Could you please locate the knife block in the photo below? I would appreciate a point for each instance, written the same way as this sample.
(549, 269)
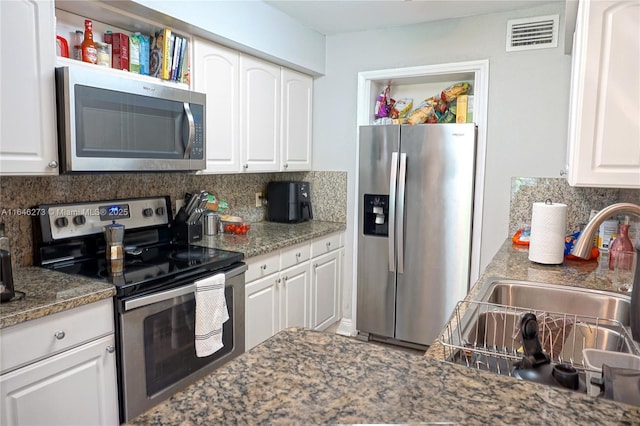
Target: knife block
(184, 232)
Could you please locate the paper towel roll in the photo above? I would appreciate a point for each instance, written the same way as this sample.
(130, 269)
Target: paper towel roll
(548, 228)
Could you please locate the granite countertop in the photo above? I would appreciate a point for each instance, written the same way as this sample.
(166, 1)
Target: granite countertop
(48, 292)
(307, 377)
(513, 262)
(303, 376)
(265, 237)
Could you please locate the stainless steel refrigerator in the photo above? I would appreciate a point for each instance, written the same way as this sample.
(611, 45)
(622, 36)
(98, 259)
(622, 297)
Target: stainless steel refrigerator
(415, 196)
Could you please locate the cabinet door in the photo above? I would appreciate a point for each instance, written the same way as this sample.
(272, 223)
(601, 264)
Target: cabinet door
(325, 290)
(296, 149)
(260, 112)
(216, 73)
(604, 130)
(28, 143)
(294, 291)
(76, 387)
(262, 310)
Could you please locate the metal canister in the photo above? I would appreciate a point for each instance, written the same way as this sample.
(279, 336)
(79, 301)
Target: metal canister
(211, 222)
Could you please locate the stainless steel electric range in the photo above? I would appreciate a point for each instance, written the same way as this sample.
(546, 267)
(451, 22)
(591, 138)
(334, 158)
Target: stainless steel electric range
(154, 302)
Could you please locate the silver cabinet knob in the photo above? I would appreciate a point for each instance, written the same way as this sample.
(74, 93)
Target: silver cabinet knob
(59, 335)
(286, 165)
(246, 166)
(111, 349)
(264, 267)
(329, 244)
(298, 255)
(53, 164)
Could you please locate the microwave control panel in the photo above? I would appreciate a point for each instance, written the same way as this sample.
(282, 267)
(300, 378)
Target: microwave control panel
(197, 150)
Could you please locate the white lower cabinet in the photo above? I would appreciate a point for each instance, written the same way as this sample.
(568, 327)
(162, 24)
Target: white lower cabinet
(74, 383)
(325, 289)
(262, 309)
(294, 287)
(275, 302)
(76, 387)
(298, 286)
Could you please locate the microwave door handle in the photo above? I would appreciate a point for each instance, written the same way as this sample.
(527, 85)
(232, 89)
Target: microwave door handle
(192, 130)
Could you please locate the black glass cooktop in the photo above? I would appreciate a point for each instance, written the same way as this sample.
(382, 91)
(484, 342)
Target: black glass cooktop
(154, 268)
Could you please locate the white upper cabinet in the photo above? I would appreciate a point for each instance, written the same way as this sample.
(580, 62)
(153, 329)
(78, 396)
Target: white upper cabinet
(28, 143)
(260, 112)
(297, 91)
(216, 73)
(604, 116)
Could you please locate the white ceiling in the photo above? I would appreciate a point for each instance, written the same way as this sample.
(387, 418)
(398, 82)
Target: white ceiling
(338, 16)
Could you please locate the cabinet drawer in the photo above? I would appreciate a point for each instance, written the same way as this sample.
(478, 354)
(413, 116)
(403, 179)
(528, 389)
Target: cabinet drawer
(295, 255)
(325, 244)
(37, 339)
(261, 266)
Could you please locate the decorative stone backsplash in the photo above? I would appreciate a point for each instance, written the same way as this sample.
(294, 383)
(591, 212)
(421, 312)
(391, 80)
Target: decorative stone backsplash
(579, 201)
(17, 193)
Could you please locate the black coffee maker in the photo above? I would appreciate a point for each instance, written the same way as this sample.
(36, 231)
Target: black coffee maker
(6, 275)
(289, 202)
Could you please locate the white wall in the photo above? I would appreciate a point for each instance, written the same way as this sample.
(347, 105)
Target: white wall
(249, 26)
(528, 106)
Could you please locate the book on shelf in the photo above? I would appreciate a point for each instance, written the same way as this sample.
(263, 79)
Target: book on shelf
(184, 64)
(156, 50)
(168, 56)
(169, 41)
(177, 49)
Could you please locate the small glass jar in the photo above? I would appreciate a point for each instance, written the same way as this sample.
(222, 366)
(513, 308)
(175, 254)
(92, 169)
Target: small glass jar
(78, 36)
(104, 58)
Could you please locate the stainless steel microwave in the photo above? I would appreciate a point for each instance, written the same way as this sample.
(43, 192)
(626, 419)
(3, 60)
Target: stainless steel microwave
(112, 123)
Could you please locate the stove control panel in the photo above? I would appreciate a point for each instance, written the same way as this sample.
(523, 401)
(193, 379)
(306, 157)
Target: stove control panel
(80, 219)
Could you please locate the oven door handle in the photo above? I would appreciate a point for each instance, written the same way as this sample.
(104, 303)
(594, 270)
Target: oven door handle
(176, 292)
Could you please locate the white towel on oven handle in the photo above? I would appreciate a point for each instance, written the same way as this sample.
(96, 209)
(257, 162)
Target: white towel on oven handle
(211, 313)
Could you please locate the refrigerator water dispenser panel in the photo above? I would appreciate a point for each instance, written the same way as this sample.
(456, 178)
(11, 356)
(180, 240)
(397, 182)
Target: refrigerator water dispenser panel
(376, 215)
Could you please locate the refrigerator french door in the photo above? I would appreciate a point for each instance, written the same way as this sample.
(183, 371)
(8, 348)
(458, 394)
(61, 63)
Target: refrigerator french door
(416, 186)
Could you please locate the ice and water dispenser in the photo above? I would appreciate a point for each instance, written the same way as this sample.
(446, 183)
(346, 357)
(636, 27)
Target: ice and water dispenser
(376, 215)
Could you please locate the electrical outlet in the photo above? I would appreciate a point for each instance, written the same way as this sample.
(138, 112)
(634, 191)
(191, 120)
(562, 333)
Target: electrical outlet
(258, 199)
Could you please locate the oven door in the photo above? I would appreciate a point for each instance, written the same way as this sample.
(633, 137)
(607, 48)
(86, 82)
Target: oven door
(157, 356)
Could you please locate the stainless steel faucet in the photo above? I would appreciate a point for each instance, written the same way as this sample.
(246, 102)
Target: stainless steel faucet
(582, 248)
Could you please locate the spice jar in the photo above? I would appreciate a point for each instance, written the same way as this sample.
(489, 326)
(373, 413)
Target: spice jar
(104, 58)
(78, 36)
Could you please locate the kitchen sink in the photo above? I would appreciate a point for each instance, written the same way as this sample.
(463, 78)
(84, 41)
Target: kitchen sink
(484, 333)
(559, 298)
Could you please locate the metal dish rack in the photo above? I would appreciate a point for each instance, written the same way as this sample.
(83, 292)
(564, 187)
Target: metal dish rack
(487, 336)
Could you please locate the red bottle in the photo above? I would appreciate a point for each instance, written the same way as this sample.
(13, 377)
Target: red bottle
(89, 51)
(620, 245)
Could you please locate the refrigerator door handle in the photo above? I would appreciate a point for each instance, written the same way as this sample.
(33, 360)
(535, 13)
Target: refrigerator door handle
(402, 180)
(393, 179)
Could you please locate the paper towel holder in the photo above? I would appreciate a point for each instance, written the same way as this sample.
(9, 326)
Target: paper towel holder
(548, 222)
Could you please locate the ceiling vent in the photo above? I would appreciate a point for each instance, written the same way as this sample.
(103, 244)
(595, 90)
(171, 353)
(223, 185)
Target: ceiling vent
(540, 32)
